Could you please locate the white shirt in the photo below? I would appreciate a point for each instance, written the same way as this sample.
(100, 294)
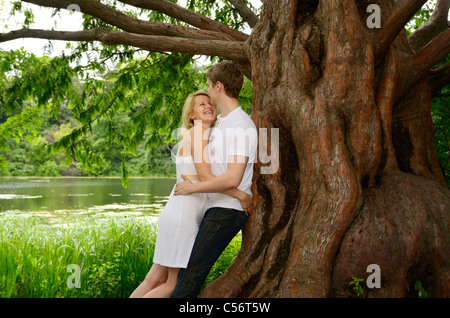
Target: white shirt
(232, 135)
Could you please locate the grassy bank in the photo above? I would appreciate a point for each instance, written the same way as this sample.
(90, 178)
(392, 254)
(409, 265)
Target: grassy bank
(113, 254)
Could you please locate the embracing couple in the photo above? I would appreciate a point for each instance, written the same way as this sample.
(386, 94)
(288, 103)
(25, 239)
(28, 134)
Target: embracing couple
(212, 199)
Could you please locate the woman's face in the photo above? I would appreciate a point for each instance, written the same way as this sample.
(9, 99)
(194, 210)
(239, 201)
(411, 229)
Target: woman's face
(203, 110)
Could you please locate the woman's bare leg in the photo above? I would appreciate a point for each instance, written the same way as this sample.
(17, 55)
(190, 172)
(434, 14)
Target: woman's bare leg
(166, 289)
(157, 276)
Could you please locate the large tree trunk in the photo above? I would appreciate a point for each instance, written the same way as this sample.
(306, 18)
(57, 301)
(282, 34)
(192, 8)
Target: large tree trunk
(358, 180)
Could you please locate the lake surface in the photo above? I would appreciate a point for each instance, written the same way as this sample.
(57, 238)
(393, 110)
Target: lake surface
(61, 197)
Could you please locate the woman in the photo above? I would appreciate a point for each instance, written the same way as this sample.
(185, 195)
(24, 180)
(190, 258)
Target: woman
(180, 219)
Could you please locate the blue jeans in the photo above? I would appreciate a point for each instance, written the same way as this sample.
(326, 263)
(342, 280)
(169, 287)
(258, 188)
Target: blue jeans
(219, 226)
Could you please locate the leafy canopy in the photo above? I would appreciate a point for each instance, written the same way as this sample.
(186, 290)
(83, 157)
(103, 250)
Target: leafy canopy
(97, 82)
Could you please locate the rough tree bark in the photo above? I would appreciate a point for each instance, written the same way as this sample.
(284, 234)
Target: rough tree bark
(358, 181)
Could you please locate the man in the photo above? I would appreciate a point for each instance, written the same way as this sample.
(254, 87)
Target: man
(232, 151)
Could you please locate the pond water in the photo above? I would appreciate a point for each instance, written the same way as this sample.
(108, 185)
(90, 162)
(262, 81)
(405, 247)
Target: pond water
(62, 197)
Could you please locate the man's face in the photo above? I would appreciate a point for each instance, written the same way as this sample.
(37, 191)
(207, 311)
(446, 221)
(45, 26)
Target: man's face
(211, 91)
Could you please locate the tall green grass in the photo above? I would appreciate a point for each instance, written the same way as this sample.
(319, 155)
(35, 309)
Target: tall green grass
(113, 253)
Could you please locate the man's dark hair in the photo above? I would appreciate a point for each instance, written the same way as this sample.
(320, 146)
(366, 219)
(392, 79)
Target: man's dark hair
(230, 75)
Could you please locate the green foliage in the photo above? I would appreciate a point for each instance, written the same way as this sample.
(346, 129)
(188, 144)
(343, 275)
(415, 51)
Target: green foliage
(420, 290)
(49, 168)
(440, 113)
(27, 159)
(441, 120)
(28, 13)
(114, 255)
(357, 288)
(108, 277)
(24, 123)
(25, 77)
(150, 90)
(421, 16)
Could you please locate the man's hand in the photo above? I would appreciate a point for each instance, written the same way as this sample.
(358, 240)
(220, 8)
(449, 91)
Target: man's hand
(183, 188)
(247, 203)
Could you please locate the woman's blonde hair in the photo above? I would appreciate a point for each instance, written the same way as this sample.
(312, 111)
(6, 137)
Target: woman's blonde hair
(186, 121)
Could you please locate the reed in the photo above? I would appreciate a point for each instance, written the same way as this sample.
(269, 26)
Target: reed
(113, 254)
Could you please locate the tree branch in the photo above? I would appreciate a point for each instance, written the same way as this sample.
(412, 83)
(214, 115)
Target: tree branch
(130, 24)
(399, 16)
(439, 81)
(439, 69)
(436, 24)
(431, 54)
(86, 35)
(197, 20)
(423, 60)
(245, 12)
(226, 49)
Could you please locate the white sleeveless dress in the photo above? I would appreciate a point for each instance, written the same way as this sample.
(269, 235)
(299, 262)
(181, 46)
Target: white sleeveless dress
(179, 221)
